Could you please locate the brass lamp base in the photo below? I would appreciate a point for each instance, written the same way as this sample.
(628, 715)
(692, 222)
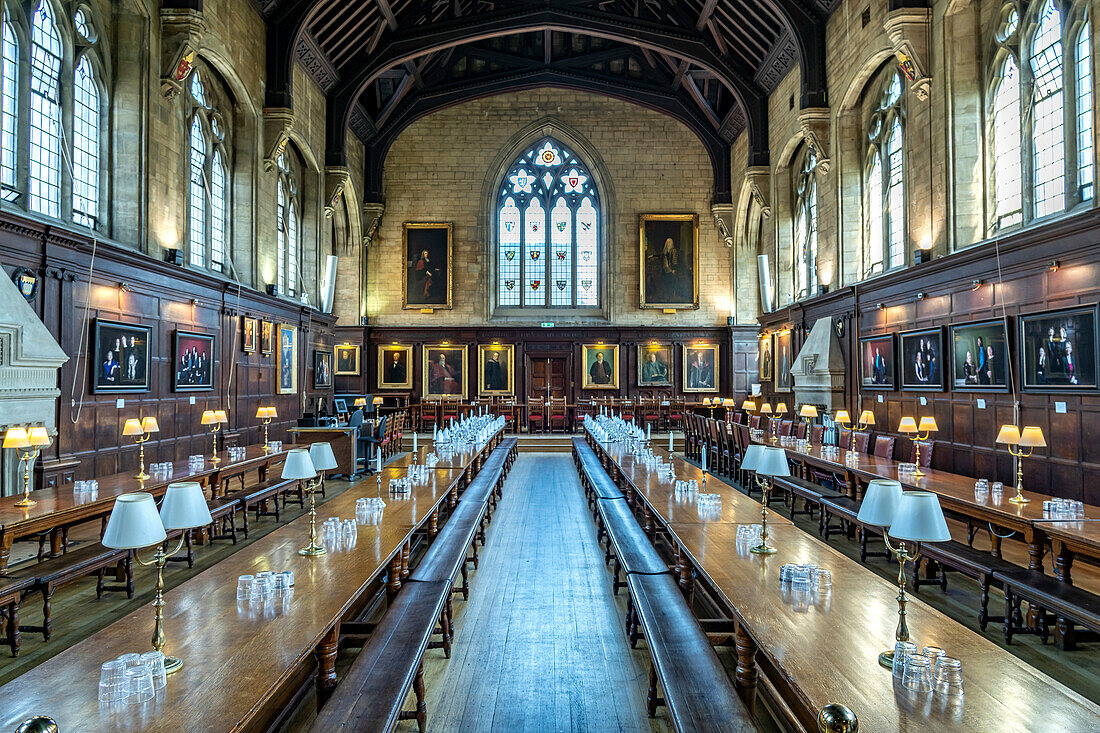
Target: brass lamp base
(886, 659)
(172, 664)
(763, 549)
(26, 502)
(312, 551)
(917, 473)
(142, 476)
(1020, 499)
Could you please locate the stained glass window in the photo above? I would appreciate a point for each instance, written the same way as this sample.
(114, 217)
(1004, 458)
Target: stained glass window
(885, 181)
(196, 221)
(548, 189)
(1083, 73)
(86, 148)
(9, 108)
(45, 114)
(1048, 114)
(1006, 152)
(805, 227)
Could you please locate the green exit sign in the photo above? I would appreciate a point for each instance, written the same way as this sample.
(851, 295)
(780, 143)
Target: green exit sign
(547, 324)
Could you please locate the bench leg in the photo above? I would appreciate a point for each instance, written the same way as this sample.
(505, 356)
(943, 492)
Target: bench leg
(746, 675)
(450, 618)
(983, 611)
(326, 665)
(13, 627)
(1008, 616)
(651, 700)
(47, 607)
(421, 714)
(445, 626)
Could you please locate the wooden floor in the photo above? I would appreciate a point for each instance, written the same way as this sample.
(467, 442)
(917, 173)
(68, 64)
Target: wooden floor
(540, 644)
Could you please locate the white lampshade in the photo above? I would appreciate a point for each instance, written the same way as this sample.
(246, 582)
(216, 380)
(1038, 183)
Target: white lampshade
(753, 454)
(184, 506)
(842, 417)
(298, 465)
(919, 518)
(773, 463)
(880, 502)
(809, 411)
(781, 408)
(1009, 434)
(134, 523)
(132, 426)
(39, 436)
(322, 457)
(1032, 437)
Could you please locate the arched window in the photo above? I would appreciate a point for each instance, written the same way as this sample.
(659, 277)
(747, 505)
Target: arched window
(45, 116)
(1005, 148)
(885, 179)
(1083, 76)
(86, 145)
(208, 188)
(805, 226)
(9, 108)
(287, 239)
(1048, 135)
(548, 188)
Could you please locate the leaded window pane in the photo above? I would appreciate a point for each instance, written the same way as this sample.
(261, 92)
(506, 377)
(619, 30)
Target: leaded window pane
(875, 253)
(86, 148)
(1006, 152)
(280, 236)
(219, 214)
(9, 109)
(895, 196)
(1084, 114)
(805, 228)
(45, 114)
(1048, 114)
(293, 248)
(196, 220)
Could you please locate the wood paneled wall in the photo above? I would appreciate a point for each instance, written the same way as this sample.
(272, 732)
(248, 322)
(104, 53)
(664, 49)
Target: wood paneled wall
(973, 285)
(130, 287)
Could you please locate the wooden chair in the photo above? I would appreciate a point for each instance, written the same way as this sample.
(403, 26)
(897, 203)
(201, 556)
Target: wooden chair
(816, 433)
(558, 414)
(429, 415)
(754, 422)
(536, 416)
(800, 431)
(786, 427)
(860, 442)
(926, 447)
(675, 414)
(884, 446)
(651, 413)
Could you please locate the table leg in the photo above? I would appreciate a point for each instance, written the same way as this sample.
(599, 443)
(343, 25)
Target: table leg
(433, 523)
(326, 665)
(1063, 561)
(1036, 548)
(649, 528)
(746, 675)
(394, 583)
(405, 552)
(6, 540)
(994, 544)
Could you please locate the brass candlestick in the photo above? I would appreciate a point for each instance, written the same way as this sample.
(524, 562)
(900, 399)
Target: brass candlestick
(160, 559)
(763, 548)
(141, 441)
(901, 552)
(313, 549)
(28, 461)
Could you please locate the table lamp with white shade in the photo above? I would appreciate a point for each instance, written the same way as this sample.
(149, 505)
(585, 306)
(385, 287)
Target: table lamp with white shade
(809, 414)
(909, 516)
(135, 525)
(766, 461)
(1030, 438)
(141, 430)
(28, 443)
(266, 415)
(299, 466)
(214, 418)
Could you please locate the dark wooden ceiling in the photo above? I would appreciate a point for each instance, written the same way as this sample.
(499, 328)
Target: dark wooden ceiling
(385, 63)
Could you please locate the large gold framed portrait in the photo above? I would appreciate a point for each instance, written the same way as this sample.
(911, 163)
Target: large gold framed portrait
(347, 360)
(496, 370)
(669, 260)
(444, 371)
(701, 367)
(600, 363)
(286, 370)
(395, 367)
(427, 267)
(654, 365)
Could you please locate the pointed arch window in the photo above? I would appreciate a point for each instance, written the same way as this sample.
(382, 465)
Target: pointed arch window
(9, 108)
(805, 227)
(86, 145)
(45, 113)
(885, 179)
(1005, 146)
(1083, 77)
(208, 186)
(1048, 134)
(548, 238)
(287, 240)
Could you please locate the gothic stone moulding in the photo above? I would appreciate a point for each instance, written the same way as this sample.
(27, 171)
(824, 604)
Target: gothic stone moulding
(909, 30)
(278, 122)
(372, 217)
(336, 178)
(814, 122)
(758, 180)
(182, 32)
(723, 219)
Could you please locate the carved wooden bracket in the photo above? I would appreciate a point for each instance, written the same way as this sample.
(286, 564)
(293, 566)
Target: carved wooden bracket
(278, 122)
(181, 32)
(910, 31)
(372, 217)
(814, 122)
(723, 219)
(336, 178)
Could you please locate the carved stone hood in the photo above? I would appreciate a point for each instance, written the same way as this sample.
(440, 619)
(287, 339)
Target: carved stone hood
(818, 370)
(29, 360)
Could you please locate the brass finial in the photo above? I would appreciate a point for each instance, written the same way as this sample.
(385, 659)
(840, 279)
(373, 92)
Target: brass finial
(837, 718)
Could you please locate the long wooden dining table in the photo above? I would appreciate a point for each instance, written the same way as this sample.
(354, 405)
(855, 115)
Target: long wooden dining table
(243, 665)
(61, 506)
(824, 649)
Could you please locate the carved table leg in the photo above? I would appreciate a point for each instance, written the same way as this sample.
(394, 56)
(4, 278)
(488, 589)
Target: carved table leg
(746, 675)
(6, 540)
(649, 528)
(433, 523)
(1063, 561)
(326, 665)
(405, 552)
(394, 583)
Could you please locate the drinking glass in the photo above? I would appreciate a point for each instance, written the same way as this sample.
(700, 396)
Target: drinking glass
(289, 575)
(949, 680)
(139, 684)
(154, 661)
(933, 653)
(824, 579)
(112, 681)
(244, 586)
(902, 650)
(918, 673)
(281, 583)
(130, 660)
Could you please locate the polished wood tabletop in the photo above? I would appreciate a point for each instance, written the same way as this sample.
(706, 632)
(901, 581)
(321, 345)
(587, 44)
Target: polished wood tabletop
(237, 660)
(458, 457)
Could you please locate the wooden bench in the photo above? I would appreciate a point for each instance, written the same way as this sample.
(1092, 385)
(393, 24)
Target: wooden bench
(939, 557)
(811, 494)
(223, 511)
(598, 485)
(626, 542)
(372, 693)
(697, 690)
(12, 591)
(91, 559)
(1047, 596)
(448, 553)
(260, 496)
(845, 509)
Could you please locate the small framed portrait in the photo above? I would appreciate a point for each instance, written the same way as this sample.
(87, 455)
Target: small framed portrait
(601, 366)
(427, 270)
(341, 405)
(444, 371)
(193, 364)
(286, 372)
(267, 339)
(701, 368)
(979, 356)
(395, 367)
(669, 260)
(877, 365)
(922, 362)
(783, 359)
(654, 365)
(121, 357)
(322, 369)
(248, 334)
(496, 369)
(1058, 350)
(347, 360)
(766, 359)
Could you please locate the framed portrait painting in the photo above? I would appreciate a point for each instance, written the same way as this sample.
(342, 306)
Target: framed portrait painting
(193, 363)
(669, 260)
(877, 363)
(654, 365)
(782, 362)
(766, 359)
(922, 360)
(248, 335)
(347, 360)
(495, 369)
(120, 357)
(1058, 350)
(322, 369)
(701, 368)
(979, 356)
(286, 372)
(267, 338)
(600, 363)
(395, 367)
(444, 371)
(427, 268)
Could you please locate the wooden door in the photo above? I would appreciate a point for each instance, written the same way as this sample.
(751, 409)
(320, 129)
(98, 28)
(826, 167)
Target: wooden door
(546, 376)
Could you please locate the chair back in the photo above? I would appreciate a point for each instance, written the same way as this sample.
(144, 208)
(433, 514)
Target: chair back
(356, 419)
(884, 446)
(785, 427)
(860, 441)
(926, 447)
(816, 433)
(800, 431)
(754, 421)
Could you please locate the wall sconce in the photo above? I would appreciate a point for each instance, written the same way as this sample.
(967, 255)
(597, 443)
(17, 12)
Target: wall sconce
(977, 283)
(1054, 266)
(879, 306)
(921, 296)
(124, 287)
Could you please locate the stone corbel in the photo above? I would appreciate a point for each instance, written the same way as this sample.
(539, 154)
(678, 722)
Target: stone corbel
(910, 31)
(372, 217)
(181, 32)
(336, 178)
(814, 123)
(278, 122)
(723, 219)
(758, 181)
